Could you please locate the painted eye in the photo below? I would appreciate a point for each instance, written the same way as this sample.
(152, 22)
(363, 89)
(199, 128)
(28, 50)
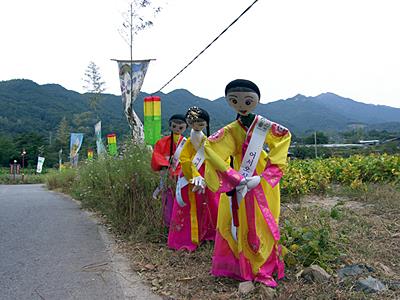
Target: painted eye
(173, 126)
(180, 128)
(248, 102)
(234, 101)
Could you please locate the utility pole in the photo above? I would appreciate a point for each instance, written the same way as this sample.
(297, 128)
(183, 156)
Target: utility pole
(315, 144)
(15, 169)
(23, 164)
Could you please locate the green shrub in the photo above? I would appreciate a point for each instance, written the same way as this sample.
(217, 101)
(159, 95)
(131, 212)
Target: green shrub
(62, 181)
(309, 244)
(120, 188)
(29, 177)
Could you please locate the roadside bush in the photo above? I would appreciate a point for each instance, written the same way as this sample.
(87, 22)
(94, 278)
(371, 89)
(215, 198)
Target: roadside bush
(62, 181)
(120, 188)
(29, 177)
(310, 241)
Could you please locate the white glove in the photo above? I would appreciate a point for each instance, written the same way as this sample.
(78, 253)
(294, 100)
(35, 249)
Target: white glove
(241, 189)
(199, 184)
(242, 185)
(252, 182)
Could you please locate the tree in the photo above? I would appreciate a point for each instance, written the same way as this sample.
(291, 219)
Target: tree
(135, 21)
(8, 150)
(83, 122)
(33, 143)
(63, 133)
(320, 136)
(353, 136)
(94, 85)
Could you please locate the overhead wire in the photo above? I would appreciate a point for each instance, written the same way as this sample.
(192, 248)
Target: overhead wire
(208, 46)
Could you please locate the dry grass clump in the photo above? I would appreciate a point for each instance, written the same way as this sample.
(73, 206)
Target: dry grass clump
(361, 228)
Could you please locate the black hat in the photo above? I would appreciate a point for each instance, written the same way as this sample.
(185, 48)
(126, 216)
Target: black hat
(242, 85)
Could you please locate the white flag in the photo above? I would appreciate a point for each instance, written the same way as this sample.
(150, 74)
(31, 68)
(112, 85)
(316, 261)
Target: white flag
(131, 75)
(39, 164)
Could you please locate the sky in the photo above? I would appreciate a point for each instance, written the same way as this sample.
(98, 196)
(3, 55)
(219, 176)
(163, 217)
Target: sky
(287, 47)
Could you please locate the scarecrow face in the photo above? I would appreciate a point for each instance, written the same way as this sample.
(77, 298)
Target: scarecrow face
(177, 126)
(198, 124)
(242, 102)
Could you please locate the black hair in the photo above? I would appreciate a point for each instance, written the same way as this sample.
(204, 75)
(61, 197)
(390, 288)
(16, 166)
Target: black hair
(242, 85)
(195, 113)
(179, 117)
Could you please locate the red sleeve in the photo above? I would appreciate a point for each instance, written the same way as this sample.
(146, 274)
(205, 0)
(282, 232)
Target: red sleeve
(161, 153)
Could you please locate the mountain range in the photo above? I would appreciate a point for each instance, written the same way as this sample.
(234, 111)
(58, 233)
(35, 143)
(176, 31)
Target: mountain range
(28, 106)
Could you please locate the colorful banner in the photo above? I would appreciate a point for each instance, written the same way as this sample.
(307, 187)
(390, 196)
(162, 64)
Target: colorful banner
(101, 149)
(152, 119)
(74, 147)
(112, 144)
(90, 154)
(39, 164)
(131, 75)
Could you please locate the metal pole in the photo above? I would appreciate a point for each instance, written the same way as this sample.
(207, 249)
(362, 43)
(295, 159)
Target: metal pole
(15, 169)
(315, 144)
(60, 160)
(23, 165)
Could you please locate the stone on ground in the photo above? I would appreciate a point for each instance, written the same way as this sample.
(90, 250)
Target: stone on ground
(315, 273)
(370, 285)
(246, 287)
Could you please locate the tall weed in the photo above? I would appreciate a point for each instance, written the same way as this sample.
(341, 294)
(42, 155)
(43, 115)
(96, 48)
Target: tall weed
(120, 188)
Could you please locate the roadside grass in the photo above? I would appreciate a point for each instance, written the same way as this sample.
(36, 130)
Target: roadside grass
(62, 181)
(29, 176)
(359, 228)
(120, 190)
(332, 215)
(365, 228)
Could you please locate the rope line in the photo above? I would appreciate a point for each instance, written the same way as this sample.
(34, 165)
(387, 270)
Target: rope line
(202, 51)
